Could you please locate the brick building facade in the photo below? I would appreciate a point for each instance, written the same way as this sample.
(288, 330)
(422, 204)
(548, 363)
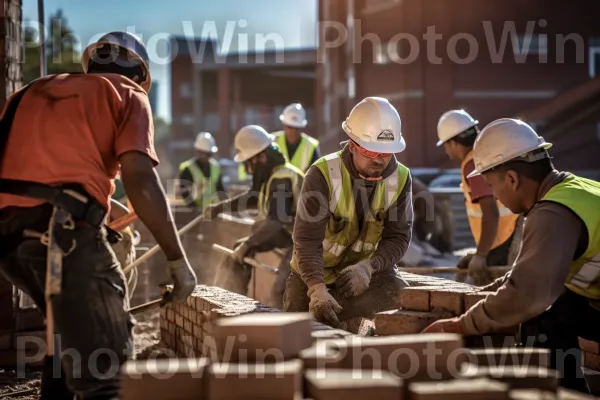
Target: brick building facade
(554, 47)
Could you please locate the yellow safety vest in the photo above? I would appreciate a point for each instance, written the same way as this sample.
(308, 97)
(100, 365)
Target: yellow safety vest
(304, 152)
(507, 222)
(582, 196)
(285, 171)
(344, 244)
(205, 190)
(242, 174)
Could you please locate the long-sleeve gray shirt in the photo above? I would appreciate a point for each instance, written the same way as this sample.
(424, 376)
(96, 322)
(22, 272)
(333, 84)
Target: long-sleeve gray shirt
(313, 216)
(553, 237)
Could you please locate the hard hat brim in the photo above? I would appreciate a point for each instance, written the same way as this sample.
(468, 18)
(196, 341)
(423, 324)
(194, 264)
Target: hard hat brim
(243, 157)
(480, 171)
(441, 142)
(292, 125)
(212, 150)
(382, 147)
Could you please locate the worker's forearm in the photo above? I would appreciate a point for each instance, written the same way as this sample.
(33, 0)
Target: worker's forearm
(266, 232)
(489, 231)
(147, 197)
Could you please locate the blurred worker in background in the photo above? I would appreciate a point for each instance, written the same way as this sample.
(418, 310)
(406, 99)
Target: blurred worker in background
(354, 222)
(200, 180)
(492, 224)
(298, 148)
(553, 290)
(55, 201)
(275, 189)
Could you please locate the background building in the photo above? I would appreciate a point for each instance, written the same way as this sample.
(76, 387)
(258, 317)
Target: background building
(546, 74)
(153, 97)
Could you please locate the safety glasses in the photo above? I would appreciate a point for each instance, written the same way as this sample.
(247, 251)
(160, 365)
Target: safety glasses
(369, 153)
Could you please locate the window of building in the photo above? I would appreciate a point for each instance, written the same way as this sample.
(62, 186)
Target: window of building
(186, 91)
(594, 56)
(530, 44)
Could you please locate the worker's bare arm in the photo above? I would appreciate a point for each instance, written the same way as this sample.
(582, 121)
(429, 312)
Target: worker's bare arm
(489, 224)
(147, 197)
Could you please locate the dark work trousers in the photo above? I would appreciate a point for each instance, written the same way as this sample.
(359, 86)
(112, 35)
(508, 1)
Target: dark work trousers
(558, 329)
(235, 277)
(91, 323)
(383, 294)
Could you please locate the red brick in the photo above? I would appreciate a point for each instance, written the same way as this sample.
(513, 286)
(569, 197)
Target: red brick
(447, 300)
(177, 379)
(591, 361)
(515, 377)
(470, 299)
(589, 346)
(414, 299)
(510, 357)
(400, 322)
(321, 356)
(459, 389)
(347, 384)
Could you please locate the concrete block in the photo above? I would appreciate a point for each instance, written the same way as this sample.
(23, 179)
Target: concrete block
(321, 356)
(516, 377)
(333, 384)
(172, 379)
(530, 357)
(400, 322)
(589, 346)
(263, 337)
(470, 299)
(426, 356)
(414, 299)
(278, 381)
(459, 389)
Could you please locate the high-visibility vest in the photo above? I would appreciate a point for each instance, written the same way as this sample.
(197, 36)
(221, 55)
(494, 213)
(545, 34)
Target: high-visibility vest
(582, 196)
(205, 189)
(344, 244)
(304, 152)
(242, 174)
(507, 222)
(285, 171)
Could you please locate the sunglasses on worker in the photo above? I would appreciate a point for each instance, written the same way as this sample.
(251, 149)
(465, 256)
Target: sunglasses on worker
(369, 153)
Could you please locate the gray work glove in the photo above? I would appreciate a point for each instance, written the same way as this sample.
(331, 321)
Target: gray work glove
(323, 306)
(240, 252)
(184, 281)
(355, 279)
(478, 270)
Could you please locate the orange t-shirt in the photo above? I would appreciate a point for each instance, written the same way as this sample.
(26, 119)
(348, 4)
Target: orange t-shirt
(72, 129)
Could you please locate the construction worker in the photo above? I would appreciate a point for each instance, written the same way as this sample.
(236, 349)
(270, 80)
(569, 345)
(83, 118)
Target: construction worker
(298, 148)
(69, 137)
(200, 180)
(553, 290)
(275, 189)
(492, 224)
(354, 223)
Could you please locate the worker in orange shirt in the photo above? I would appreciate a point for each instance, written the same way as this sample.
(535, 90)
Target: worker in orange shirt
(60, 151)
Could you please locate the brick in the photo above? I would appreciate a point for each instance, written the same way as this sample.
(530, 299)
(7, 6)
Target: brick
(333, 384)
(321, 356)
(414, 299)
(589, 346)
(459, 389)
(324, 334)
(400, 322)
(424, 356)
(170, 315)
(278, 381)
(591, 361)
(565, 394)
(447, 300)
(515, 377)
(470, 299)
(179, 320)
(531, 357)
(491, 340)
(162, 379)
(187, 326)
(273, 336)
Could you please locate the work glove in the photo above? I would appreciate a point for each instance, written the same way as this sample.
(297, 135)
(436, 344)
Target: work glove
(323, 306)
(240, 252)
(478, 270)
(184, 281)
(463, 263)
(355, 279)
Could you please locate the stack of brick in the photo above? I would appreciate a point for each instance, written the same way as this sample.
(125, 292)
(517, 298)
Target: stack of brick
(591, 354)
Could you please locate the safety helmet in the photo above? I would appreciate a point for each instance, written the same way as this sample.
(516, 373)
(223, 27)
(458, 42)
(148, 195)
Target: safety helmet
(452, 124)
(206, 143)
(294, 116)
(375, 125)
(250, 141)
(506, 140)
(122, 40)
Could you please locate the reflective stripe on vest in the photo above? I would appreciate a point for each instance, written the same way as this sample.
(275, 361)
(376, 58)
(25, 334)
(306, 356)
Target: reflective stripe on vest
(304, 151)
(205, 191)
(344, 244)
(507, 222)
(582, 196)
(285, 171)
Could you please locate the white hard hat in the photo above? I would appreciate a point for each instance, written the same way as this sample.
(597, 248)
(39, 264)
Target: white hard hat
(504, 140)
(452, 124)
(250, 141)
(134, 46)
(205, 142)
(294, 116)
(375, 125)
